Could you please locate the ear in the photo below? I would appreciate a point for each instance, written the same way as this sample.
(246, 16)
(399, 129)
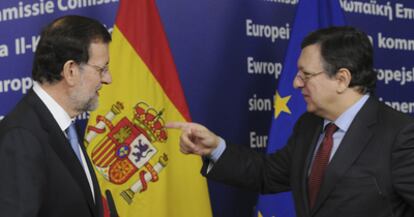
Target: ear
(70, 72)
(343, 77)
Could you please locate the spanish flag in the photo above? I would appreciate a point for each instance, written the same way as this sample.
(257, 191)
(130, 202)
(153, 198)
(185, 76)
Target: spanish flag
(135, 158)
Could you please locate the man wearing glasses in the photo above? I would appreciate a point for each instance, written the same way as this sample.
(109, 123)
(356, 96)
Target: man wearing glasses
(349, 155)
(45, 171)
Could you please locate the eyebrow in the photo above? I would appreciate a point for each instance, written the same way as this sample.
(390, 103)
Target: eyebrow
(300, 67)
(305, 71)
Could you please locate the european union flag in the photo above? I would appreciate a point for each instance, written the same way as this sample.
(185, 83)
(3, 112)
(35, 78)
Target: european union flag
(289, 104)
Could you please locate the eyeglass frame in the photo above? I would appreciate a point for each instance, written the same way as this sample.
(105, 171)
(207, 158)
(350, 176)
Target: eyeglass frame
(102, 70)
(307, 75)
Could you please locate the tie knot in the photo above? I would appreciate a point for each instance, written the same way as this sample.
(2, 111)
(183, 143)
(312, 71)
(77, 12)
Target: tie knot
(73, 140)
(71, 132)
(71, 128)
(330, 129)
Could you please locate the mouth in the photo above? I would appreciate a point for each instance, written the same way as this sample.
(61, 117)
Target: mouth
(305, 96)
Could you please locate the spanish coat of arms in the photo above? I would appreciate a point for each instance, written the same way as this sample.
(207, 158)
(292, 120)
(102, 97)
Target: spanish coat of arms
(128, 146)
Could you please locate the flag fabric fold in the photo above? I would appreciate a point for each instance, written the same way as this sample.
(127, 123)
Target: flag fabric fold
(134, 156)
(289, 104)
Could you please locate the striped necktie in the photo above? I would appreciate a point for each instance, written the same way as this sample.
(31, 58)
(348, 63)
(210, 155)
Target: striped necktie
(320, 163)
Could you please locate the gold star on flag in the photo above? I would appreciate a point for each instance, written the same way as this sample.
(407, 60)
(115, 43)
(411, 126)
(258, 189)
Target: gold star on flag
(259, 214)
(281, 104)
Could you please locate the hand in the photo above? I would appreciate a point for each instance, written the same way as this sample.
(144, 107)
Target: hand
(195, 138)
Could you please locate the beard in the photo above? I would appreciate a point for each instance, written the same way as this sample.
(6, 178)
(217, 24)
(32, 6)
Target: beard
(89, 105)
(82, 100)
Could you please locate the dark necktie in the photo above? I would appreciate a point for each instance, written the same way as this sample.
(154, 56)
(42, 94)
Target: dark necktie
(320, 163)
(74, 142)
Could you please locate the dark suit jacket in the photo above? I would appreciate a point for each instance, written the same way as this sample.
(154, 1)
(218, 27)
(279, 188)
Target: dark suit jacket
(40, 175)
(370, 175)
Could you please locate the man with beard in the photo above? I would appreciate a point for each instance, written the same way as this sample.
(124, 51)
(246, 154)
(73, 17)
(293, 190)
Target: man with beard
(44, 169)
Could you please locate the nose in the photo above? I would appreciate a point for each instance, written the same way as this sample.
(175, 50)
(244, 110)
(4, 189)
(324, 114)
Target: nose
(107, 78)
(298, 83)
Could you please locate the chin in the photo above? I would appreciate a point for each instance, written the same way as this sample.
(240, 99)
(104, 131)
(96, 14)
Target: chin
(92, 104)
(310, 108)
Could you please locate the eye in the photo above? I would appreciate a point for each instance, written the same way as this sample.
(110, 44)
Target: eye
(307, 74)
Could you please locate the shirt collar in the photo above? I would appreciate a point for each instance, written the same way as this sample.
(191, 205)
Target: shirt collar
(59, 114)
(345, 119)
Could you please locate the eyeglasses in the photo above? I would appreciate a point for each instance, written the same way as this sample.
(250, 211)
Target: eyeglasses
(305, 76)
(102, 70)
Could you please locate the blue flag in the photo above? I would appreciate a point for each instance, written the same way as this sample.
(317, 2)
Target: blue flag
(289, 103)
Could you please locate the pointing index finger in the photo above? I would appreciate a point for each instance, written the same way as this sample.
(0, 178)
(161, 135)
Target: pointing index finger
(176, 125)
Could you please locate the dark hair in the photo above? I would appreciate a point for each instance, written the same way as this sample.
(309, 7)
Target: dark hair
(346, 47)
(66, 38)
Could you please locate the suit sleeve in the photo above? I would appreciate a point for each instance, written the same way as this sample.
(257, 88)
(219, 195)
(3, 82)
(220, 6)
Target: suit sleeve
(248, 169)
(403, 164)
(22, 179)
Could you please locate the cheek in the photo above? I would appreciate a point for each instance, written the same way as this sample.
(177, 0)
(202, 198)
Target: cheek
(314, 93)
(92, 83)
(311, 90)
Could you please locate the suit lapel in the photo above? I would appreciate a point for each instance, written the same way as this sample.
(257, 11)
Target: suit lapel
(61, 146)
(356, 138)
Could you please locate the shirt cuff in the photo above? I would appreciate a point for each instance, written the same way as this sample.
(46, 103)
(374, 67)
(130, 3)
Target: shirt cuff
(218, 151)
